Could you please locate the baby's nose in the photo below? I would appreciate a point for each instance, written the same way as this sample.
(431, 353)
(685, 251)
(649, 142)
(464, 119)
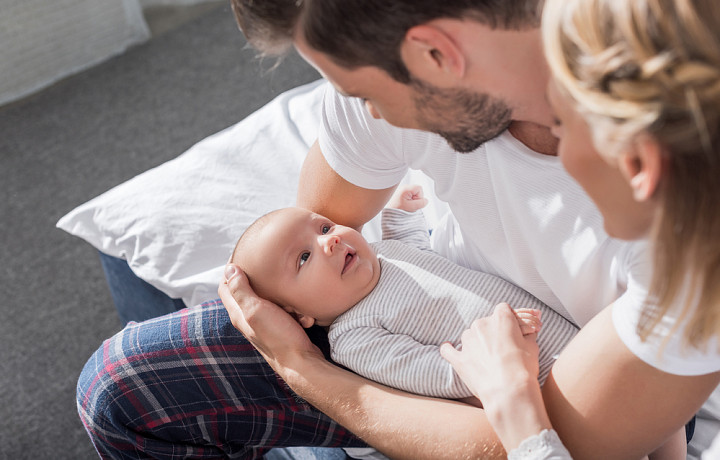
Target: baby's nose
(328, 242)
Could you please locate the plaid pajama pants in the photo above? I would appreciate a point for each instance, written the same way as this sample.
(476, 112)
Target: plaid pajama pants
(188, 385)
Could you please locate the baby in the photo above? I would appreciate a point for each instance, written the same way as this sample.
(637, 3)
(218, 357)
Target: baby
(389, 305)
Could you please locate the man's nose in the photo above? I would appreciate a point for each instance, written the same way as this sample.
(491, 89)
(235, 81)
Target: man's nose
(372, 110)
(328, 243)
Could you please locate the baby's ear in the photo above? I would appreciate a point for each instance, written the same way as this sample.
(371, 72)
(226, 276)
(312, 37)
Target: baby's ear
(305, 321)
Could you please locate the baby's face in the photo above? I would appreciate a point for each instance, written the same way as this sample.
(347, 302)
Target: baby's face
(314, 268)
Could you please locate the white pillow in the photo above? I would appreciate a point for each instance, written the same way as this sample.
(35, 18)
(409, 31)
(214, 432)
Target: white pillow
(176, 224)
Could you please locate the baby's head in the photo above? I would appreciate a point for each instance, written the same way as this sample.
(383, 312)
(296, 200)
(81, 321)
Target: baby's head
(302, 261)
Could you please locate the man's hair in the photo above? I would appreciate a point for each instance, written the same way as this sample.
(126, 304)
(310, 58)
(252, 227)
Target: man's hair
(356, 33)
(268, 25)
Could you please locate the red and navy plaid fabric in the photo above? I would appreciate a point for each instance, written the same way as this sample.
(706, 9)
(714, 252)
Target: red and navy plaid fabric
(188, 385)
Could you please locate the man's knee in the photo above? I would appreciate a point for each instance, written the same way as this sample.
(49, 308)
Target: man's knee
(99, 397)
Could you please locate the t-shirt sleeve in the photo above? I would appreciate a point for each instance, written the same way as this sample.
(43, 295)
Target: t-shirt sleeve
(364, 151)
(665, 348)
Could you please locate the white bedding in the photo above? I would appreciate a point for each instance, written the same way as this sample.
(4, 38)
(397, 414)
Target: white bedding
(176, 224)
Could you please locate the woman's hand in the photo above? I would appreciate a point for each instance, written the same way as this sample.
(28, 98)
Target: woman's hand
(495, 353)
(499, 364)
(269, 328)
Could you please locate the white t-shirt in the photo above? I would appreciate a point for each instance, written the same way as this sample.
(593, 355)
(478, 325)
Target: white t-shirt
(516, 214)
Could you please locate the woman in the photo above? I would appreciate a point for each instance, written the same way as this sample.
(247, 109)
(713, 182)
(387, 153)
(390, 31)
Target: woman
(636, 92)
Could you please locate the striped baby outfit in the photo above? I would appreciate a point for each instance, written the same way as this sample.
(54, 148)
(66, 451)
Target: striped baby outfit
(393, 335)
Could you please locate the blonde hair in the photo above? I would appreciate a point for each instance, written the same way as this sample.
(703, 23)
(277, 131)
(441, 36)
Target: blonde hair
(635, 67)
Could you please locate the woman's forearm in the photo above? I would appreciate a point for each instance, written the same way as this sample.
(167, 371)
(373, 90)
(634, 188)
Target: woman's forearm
(605, 402)
(518, 414)
(399, 424)
(499, 364)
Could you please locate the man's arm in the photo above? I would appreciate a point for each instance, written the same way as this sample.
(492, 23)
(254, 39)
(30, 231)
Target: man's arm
(399, 424)
(325, 192)
(604, 402)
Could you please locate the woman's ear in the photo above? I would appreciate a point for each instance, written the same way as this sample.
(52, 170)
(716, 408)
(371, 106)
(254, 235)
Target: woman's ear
(430, 54)
(643, 167)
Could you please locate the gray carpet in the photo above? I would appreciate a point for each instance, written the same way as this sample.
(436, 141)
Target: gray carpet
(67, 144)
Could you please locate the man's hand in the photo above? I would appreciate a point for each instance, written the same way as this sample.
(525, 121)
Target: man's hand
(408, 198)
(269, 328)
(377, 414)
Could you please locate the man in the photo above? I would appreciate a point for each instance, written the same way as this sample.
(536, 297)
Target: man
(418, 89)
(472, 72)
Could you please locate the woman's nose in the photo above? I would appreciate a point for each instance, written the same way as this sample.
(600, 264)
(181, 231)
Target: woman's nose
(372, 110)
(328, 242)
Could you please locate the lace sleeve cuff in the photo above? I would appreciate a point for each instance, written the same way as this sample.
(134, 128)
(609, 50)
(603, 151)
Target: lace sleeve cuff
(543, 446)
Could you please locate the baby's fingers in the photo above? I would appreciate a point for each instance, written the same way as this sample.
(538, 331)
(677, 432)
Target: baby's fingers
(529, 323)
(415, 203)
(530, 311)
(450, 353)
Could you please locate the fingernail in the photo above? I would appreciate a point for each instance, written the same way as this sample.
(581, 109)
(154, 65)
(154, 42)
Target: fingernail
(230, 272)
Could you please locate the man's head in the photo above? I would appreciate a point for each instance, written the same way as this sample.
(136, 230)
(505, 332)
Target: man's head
(413, 61)
(360, 33)
(303, 262)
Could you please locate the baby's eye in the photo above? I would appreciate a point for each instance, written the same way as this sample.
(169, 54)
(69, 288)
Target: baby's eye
(326, 228)
(303, 258)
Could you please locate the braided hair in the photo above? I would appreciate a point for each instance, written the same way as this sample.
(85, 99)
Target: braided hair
(652, 67)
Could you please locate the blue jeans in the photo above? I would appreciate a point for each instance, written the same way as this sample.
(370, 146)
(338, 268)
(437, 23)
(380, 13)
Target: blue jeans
(137, 300)
(134, 298)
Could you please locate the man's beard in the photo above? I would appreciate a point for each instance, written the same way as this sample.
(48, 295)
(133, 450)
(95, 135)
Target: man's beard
(465, 119)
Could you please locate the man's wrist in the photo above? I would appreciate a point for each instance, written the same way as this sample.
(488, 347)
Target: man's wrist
(298, 368)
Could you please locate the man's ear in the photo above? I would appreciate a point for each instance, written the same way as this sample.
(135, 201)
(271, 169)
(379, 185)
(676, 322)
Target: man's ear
(643, 167)
(305, 321)
(431, 54)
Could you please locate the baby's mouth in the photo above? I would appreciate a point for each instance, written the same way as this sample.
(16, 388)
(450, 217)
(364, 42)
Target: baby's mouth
(349, 258)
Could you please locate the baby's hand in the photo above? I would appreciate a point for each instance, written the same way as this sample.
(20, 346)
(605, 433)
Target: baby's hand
(529, 320)
(408, 198)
